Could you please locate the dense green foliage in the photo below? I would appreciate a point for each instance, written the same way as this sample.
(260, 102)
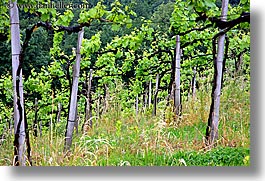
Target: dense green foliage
(127, 43)
(120, 138)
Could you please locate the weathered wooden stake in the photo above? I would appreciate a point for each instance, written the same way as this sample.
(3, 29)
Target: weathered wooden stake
(213, 120)
(18, 97)
(59, 112)
(76, 120)
(73, 101)
(35, 126)
(145, 98)
(136, 105)
(193, 83)
(177, 103)
(155, 95)
(40, 127)
(106, 99)
(88, 117)
(150, 94)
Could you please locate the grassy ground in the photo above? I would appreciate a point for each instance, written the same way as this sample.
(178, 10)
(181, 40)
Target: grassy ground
(119, 138)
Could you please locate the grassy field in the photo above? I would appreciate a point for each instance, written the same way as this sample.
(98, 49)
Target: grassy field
(119, 138)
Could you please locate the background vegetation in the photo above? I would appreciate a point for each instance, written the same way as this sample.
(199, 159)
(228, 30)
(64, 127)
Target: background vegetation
(124, 59)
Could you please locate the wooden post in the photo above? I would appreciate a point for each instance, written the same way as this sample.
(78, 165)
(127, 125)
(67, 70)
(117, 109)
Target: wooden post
(76, 120)
(40, 127)
(18, 97)
(150, 93)
(145, 98)
(88, 115)
(35, 126)
(106, 103)
(51, 119)
(177, 103)
(98, 106)
(193, 83)
(213, 120)
(155, 95)
(73, 101)
(136, 105)
(59, 112)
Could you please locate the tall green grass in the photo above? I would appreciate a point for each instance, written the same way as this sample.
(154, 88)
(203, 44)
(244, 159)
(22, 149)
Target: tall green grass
(120, 138)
